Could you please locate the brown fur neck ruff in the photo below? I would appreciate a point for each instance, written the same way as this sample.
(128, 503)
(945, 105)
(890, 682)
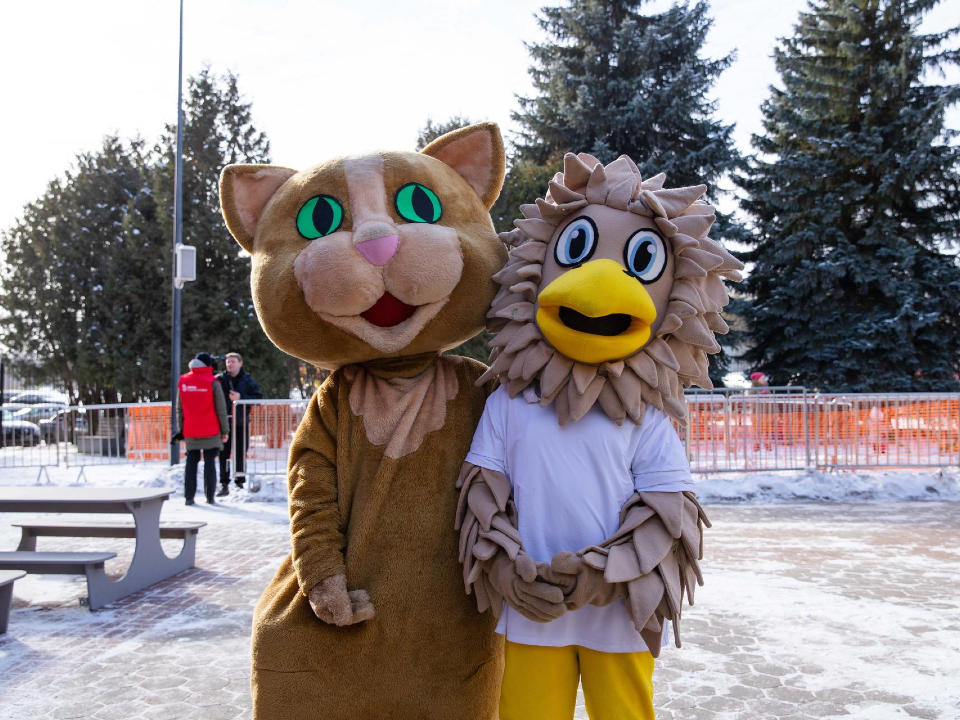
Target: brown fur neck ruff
(674, 358)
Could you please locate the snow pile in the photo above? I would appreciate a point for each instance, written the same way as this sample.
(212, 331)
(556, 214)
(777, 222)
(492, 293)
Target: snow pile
(160, 475)
(270, 488)
(815, 486)
(749, 487)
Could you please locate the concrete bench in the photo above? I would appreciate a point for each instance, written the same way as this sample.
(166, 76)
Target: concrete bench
(7, 578)
(31, 531)
(90, 564)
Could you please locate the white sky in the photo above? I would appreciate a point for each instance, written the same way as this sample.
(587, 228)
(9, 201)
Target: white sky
(325, 77)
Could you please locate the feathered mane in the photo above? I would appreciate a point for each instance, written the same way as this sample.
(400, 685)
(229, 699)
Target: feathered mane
(675, 358)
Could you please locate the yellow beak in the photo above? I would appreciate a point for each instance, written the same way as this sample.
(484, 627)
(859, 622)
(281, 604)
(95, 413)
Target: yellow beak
(596, 312)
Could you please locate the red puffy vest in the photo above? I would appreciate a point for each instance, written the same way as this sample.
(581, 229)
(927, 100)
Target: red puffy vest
(199, 410)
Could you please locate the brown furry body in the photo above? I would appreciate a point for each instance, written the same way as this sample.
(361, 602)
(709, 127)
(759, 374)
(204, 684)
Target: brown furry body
(394, 518)
(367, 617)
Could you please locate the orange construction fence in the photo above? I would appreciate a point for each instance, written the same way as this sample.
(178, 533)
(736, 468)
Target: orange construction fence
(780, 429)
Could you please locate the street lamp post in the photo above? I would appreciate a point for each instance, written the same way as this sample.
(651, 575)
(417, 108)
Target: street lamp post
(177, 236)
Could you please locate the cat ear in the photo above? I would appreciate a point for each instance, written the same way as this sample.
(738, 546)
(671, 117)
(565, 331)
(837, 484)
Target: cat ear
(245, 191)
(476, 153)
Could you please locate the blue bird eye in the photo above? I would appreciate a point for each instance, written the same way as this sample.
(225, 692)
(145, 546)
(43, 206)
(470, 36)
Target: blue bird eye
(576, 243)
(645, 255)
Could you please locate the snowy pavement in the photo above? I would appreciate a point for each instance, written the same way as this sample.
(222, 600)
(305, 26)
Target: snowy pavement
(821, 611)
(811, 610)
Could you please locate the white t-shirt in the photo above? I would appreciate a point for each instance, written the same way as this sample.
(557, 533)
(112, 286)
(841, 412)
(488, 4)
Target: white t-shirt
(569, 485)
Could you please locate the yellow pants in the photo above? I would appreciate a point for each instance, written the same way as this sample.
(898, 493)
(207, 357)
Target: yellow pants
(540, 683)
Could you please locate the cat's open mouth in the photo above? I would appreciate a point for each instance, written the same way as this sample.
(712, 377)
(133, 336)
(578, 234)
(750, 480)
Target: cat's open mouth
(388, 311)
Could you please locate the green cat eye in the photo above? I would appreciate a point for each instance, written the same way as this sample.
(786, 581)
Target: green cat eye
(319, 216)
(418, 203)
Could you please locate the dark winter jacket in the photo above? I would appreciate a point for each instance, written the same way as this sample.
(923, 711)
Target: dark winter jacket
(243, 384)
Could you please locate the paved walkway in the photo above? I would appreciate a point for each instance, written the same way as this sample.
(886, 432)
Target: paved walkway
(810, 611)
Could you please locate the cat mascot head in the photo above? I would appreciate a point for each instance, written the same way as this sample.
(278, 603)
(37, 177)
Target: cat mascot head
(386, 254)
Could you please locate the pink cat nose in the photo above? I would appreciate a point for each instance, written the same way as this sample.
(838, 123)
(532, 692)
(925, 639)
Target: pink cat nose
(379, 250)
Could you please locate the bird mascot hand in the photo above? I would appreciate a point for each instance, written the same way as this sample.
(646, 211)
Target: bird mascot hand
(582, 584)
(517, 581)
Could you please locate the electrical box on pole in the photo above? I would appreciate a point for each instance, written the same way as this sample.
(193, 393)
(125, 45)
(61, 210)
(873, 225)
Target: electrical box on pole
(186, 269)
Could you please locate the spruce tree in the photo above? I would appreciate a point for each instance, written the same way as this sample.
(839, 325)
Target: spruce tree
(86, 279)
(855, 195)
(76, 283)
(613, 80)
(217, 309)
(432, 130)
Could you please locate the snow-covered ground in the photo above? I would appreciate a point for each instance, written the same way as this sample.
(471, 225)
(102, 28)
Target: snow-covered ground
(827, 595)
(839, 486)
(732, 487)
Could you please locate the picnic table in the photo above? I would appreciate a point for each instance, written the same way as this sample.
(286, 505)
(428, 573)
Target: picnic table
(149, 565)
(7, 578)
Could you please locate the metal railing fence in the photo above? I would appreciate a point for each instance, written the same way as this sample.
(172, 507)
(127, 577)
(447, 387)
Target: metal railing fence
(747, 429)
(886, 430)
(728, 430)
(791, 429)
(78, 436)
(266, 428)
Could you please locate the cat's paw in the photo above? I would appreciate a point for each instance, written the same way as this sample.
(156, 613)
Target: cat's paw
(335, 605)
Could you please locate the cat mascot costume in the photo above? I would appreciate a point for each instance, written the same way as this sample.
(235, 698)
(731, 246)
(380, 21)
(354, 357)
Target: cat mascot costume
(607, 309)
(370, 266)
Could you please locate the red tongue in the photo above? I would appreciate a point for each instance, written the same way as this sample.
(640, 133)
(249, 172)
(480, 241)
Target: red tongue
(388, 311)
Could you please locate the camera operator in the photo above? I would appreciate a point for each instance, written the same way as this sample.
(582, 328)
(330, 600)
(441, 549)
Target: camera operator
(237, 385)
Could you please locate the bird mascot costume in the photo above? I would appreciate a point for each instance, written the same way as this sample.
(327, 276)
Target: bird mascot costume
(579, 527)
(371, 266)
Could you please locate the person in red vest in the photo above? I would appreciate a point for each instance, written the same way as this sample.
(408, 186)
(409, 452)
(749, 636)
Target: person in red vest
(202, 413)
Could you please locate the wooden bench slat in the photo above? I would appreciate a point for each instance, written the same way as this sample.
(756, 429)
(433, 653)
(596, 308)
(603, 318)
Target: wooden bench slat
(52, 563)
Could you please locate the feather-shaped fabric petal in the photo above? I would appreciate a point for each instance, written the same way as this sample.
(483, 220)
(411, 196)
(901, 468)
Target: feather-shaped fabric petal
(537, 229)
(655, 183)
(661, 352)
(687, 268)
(583, 375)
(518, 311)
(533, 252)
(562, 194)
(538, 357)
(645, 367)
(597, 187)
(580, 403)
(523, 338)
(613, 368)
(575, 172)
(696, 226)
(676, 200)
(610, 402)
(555, 374)
(706, 260)
(621, 195)
(531, 212)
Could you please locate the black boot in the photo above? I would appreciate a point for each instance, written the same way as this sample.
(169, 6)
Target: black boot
(224, 490)
(190, 501)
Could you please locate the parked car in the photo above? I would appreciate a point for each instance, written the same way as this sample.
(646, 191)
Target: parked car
(37, 397)
(19, 432)
(63, 426)
(33, 413)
